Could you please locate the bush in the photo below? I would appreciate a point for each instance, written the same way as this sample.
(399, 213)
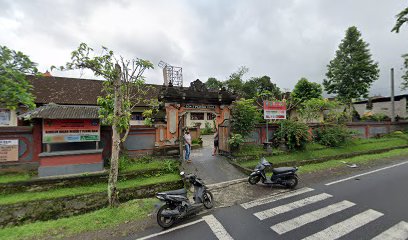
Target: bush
(235, 141)
(294, 134)
(197, 141)
(332, 135)
(208, 129)
(171, 165)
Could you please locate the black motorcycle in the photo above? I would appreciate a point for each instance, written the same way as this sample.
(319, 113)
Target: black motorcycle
(177, 205)
(285, 176)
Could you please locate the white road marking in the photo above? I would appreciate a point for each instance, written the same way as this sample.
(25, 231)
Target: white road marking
(220, 184)
(217, 228)
(274, 198)
(291, 206)
(397, 232)
(342, 228)
(359, 175)
(171, 230)
(289, 225)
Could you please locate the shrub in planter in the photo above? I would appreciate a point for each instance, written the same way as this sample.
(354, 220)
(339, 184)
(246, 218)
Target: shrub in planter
(332, 135)
(294, 134)
(235, 141)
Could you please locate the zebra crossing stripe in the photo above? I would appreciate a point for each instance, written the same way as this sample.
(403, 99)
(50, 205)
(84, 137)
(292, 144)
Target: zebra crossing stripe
(291, 206)
(396, 232)
(217, 228)
(342, 228)
(289, 225)
(274, 198)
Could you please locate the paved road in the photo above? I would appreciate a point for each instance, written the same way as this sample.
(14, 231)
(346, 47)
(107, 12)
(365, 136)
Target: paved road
(370, 206)
(212, 169)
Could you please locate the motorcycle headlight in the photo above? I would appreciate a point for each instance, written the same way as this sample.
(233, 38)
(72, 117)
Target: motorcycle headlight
(160, 197)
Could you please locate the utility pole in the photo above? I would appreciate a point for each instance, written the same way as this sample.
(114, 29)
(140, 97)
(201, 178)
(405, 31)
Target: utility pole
(392, 96)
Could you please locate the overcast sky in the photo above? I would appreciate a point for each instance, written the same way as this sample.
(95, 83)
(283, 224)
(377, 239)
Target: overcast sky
(283, 39)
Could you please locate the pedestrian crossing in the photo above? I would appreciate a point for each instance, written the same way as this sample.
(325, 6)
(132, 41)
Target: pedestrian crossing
(337, 230)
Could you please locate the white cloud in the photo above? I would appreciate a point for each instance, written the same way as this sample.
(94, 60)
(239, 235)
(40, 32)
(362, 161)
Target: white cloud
(283, 39)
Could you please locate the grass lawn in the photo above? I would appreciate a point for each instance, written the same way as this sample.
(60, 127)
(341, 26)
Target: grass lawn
(364, 159)
(100, 219)
(315, 151)
(14, 177)
(100, 187)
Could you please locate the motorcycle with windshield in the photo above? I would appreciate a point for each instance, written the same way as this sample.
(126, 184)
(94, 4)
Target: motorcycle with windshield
(177, 205)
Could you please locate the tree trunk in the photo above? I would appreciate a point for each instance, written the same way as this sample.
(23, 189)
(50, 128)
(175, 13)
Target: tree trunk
(113, 194)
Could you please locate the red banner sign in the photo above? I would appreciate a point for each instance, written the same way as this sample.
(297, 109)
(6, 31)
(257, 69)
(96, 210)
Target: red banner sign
(274, 110)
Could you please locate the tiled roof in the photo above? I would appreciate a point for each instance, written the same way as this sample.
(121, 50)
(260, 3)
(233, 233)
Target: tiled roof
(54, 111)
(73, 91)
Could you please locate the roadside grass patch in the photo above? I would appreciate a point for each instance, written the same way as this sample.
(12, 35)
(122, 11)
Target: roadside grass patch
(313, 151)
(14, 177)
(99, 219)
(100, 187)
(364, 159)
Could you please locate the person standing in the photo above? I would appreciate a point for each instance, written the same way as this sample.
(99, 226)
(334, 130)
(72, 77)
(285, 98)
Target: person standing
(215, 151)
(187, 141)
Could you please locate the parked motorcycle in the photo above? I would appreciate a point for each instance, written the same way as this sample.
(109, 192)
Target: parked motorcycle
(177, 205)
(285, 176)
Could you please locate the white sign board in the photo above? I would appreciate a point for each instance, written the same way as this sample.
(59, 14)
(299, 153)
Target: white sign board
(274, 114)
(4, 117)
(8, 150)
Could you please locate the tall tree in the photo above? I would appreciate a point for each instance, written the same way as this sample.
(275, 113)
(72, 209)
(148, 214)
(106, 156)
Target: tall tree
(124, 88)
(245, 116)
(402, 18)
(305, 90)
(235, 82)
(352, 71)
(260, 89)
(14, 87)
(213, 83)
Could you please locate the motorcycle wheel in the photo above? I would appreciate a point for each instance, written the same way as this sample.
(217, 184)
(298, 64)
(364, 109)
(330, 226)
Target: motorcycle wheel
(254, 179)
(165, 222)
(208, 200)
(292, 182)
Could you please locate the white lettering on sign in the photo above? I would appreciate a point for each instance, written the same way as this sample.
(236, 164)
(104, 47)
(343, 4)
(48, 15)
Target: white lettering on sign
(199, 106)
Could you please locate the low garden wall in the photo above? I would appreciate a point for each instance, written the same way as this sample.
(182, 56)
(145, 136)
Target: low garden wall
(44, 184)
(42, 210)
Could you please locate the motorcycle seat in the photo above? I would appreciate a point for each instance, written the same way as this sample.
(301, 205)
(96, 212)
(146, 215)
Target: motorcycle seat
(283, 169)
(182, 191)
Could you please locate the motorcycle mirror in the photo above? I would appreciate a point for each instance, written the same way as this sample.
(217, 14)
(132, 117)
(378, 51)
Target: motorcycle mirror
(181, 173)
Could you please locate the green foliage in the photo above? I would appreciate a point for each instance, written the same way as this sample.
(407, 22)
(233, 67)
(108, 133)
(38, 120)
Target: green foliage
(378, 117)
(208, 129)
(305, 90)
(15, 88)
(313, 108)
(94, 188)
(235, 141)
(131, 91)
(402, 18)
(405, 76)
(235, 82)
(171, 165)
(197, 141)
(351, 73)
(245, 115)
(294, 134)
(261, 88)
(213, 84)
(332, 135)
(105, 218)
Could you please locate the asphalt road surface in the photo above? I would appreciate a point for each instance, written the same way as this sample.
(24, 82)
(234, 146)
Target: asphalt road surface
(370, 205)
